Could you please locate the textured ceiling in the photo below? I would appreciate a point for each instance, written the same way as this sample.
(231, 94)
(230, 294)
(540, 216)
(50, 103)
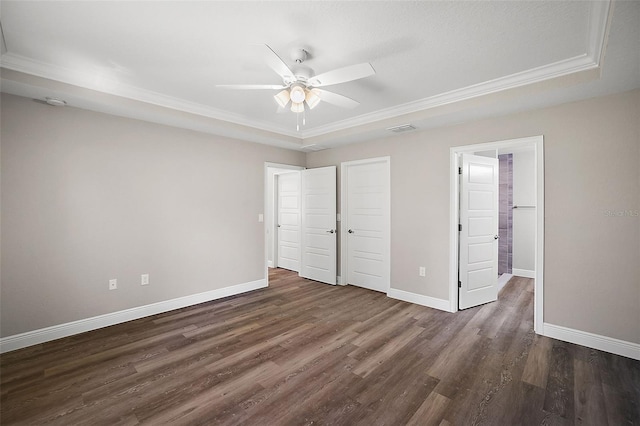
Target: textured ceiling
(134, 55)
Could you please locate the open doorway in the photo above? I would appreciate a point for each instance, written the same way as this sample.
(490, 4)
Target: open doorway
(271, 171)
(309, 204)
(527, 210)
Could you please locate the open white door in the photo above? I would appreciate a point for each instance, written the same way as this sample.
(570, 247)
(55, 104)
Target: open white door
(318, 261)
(288, 231)
(478, 275)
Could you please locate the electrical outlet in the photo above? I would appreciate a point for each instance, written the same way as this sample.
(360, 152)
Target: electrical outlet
(422, 271)
(144, 279)
(113, 284)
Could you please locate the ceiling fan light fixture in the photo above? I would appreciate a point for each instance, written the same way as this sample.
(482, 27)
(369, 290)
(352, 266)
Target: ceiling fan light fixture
(297, 94)
(282, 98)
(297, 106)
(312, 98)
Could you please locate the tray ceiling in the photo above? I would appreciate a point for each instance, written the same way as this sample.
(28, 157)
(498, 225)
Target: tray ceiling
(150, 59)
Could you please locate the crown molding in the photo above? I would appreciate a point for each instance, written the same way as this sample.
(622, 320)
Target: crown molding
(598, 29)
(111, 86)
(535, 75)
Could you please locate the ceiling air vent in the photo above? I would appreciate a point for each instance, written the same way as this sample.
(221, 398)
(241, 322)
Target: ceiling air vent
(314, 147)
(401, 128)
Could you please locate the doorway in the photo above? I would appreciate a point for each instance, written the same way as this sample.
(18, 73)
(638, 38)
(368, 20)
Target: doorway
(300, 221)
(534, 211)
(271, 170)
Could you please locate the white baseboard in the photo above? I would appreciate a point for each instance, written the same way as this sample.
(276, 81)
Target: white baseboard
(526, 273)
(419, 299)
(503, 280)
(595, 341)
(270, 263)
(30, 338)
(339, 280)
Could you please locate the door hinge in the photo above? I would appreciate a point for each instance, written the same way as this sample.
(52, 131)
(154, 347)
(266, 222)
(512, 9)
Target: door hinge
(459, 284)
(459, 227)
(459, 170)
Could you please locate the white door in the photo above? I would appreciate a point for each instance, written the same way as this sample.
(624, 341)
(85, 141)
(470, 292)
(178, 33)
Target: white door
(478, 273)
(319, 248)
(367, 224)
(288, 230)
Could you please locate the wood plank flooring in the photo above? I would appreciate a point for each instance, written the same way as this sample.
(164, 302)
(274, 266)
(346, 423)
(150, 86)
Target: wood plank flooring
(302, 353)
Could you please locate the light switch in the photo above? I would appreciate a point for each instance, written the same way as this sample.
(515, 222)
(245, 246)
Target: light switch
(260, 217)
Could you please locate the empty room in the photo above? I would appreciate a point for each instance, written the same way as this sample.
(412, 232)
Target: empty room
(320, 212)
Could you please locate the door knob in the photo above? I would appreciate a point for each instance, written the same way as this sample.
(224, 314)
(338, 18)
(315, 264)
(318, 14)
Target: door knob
(350, 231)
(278, 225)
(495, 237)
(331, 231)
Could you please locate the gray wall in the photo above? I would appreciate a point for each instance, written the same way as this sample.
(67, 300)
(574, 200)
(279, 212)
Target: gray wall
(87, 197)
(592, 152)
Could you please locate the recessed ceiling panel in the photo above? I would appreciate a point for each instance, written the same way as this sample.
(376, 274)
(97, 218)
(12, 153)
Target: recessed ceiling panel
(175, 53)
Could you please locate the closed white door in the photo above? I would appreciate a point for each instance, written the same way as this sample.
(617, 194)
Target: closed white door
(318, 205)
(367, 224)
(288, 224)
(478, 276)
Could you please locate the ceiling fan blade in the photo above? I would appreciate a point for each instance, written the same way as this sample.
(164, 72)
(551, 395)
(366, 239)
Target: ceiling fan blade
(277, 64)
(342, 75)
(336, 99)
(252, 86)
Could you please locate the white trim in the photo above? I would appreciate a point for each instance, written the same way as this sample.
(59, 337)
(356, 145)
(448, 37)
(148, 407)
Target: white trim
(524, 78)
(590, 340)
(599, 25)
(537, 142)
(36, 68)
(339, 280)
(30, 338)
(597, 33)
(344, 209)
(269, 264)
(523, 273)
(503, 280)
(419, 299)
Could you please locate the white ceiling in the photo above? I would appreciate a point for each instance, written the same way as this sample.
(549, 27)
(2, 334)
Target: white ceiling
(161, 61)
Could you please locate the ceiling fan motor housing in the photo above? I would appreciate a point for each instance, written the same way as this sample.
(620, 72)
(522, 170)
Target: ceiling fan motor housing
(298, 55)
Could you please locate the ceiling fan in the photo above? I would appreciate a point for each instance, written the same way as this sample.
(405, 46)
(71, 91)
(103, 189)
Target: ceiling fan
(300, 88)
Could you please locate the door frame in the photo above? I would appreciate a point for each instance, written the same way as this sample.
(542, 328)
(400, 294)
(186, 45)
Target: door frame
(270, 169)
(537, 142)
(344, 211)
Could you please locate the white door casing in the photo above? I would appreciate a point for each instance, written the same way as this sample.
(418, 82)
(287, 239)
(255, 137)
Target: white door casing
(318, 231)
(366, 224)
(288, 223)
(478, 273)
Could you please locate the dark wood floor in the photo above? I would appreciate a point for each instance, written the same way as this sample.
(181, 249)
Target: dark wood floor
(301, 352)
